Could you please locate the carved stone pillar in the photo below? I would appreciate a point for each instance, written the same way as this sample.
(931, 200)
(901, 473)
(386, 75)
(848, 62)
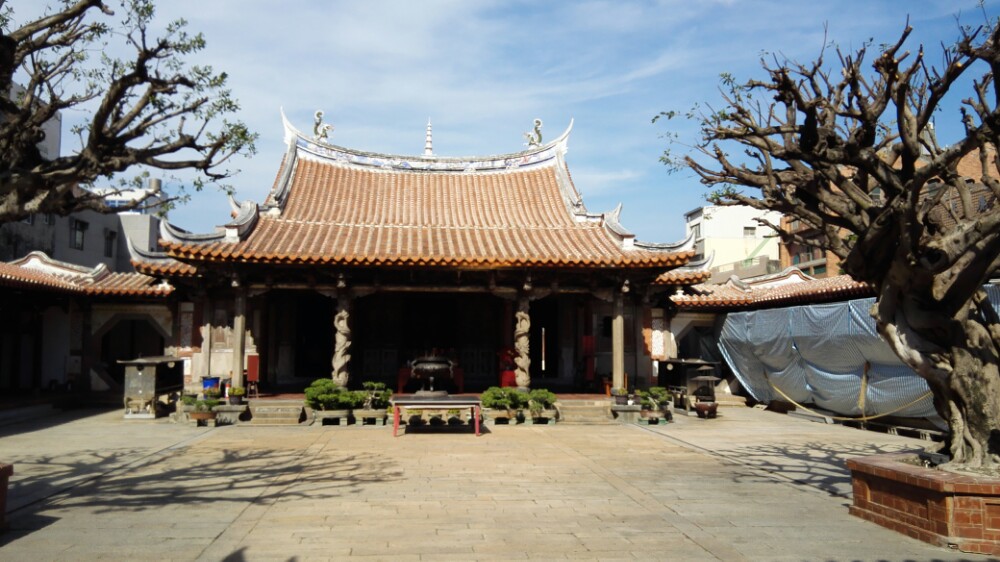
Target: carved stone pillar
(522, 330)
(341, 341)
(239, 336)
(618, 342)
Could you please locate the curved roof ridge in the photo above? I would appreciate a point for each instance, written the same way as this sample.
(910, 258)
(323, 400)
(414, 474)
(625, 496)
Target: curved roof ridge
(533, 155)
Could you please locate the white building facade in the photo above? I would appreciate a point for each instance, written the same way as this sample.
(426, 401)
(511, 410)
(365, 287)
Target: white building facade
(735, 241)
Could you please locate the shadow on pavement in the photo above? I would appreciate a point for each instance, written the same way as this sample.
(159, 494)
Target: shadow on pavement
(819, 465)
(211, 479)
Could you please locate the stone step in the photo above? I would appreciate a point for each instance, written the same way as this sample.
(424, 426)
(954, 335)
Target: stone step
(274, 421)
(728, 400)
(585, 412)
(276, 412)
(275, 402)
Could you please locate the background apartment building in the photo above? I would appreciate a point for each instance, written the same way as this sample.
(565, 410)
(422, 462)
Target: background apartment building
(737, 243)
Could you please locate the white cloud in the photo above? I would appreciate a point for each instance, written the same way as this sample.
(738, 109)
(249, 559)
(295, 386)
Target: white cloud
(591, 182)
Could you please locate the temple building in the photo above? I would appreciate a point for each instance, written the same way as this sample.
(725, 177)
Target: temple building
(357, 263)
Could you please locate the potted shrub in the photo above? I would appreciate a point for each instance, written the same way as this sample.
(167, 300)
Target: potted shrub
(375, 400)
(620, 396)
(655, 404)
(664, 401)
(504, 403)
(540, 404)
(200, 410)
(236, 395)
(330, 401)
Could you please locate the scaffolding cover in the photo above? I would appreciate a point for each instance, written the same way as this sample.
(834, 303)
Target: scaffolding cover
(816, 354)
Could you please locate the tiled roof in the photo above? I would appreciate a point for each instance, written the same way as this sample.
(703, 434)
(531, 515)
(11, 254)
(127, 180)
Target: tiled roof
(165, 267)
(22, 274)
(352, 216)
(23, 278)
(683, 277)
(128, 284)
(733, 297)
(331, 206)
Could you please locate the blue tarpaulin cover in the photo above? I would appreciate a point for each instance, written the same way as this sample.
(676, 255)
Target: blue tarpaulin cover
(816, 354)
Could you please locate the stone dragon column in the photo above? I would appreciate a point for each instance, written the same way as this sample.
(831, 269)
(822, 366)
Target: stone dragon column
(341, 342)
(522, 330)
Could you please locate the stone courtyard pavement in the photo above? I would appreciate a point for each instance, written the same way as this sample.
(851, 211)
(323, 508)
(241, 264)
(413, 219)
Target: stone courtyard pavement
(750, 485)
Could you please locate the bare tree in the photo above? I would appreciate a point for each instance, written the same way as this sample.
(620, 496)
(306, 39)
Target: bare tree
(849, 149)
(149, 111)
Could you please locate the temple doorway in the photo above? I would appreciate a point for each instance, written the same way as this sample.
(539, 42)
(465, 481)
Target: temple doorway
(392, 329)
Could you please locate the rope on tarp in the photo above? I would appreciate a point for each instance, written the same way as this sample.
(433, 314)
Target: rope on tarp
(861, 401)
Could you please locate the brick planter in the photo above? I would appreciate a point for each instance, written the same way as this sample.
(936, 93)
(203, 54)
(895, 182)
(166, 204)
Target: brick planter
(6, 470)
(942, 508)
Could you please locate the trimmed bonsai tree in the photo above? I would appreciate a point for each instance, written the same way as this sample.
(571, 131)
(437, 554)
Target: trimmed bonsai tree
(326, 395)
(654, 399)
(539, 400)
(375, 395)
(504, 398)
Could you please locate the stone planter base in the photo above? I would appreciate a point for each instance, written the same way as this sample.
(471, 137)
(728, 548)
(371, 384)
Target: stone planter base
(202, 418)
(502, 417)
(6, 471)
(341, 416)
(230, 414)
(942, 508)
(373, 417)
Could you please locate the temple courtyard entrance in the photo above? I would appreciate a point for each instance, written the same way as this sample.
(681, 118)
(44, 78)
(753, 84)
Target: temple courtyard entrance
(749, 485)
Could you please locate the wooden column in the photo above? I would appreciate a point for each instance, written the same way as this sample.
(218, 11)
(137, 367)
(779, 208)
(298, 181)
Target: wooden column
(341, 341)
(239, 336)
(618, 342)
(522, 331)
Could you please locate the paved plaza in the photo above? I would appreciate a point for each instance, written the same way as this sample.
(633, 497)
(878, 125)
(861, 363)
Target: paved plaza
(750, 485)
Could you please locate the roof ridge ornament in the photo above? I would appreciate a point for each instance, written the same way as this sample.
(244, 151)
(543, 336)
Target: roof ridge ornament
(321, 130)
(428, 141)
(534, 137)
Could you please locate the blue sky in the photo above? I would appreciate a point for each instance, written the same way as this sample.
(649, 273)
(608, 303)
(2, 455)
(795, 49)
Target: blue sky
(482, 70)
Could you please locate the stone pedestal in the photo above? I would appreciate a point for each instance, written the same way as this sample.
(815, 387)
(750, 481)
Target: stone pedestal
(942, 508)
(626, 413)
(230, 414)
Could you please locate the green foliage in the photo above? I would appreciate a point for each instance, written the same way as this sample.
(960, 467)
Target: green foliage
(654, 398)
(540, 399)
(141, 100)
(324, 394)
(237, 391)
(375, 395)
(506, 398)
(206, 405)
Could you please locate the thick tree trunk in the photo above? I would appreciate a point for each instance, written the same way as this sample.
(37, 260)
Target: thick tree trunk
(958, 357)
